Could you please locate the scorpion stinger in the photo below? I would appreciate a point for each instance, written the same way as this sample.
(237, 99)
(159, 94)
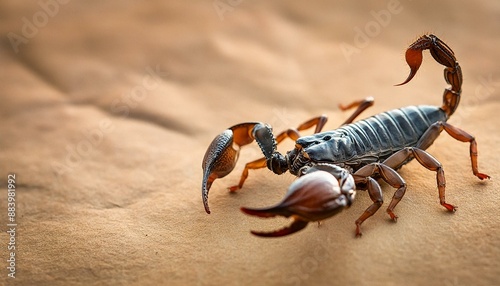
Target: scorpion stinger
(444, 55)
(319, 193)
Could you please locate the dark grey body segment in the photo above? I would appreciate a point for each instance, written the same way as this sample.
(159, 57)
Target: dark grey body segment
(373, 139)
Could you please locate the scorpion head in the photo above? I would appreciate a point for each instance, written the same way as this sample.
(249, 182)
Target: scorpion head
(322, 191)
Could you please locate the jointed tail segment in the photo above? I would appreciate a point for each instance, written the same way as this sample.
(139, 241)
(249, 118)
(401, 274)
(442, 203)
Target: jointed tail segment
(443, 55)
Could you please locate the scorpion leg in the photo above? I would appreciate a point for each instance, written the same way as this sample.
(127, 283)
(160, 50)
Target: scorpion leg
(425, 159)
(364, 180)
(257, 164)
(435, 129)
(319, 122)
(375, 193)
(361, 105)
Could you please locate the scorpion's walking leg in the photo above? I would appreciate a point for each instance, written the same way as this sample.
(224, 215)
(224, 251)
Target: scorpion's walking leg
(435, 129)
(361, 105)
(319, 122)
(425, 159)
(363, 180)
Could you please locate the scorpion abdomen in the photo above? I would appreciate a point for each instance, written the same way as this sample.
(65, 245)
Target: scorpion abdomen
(373, 139)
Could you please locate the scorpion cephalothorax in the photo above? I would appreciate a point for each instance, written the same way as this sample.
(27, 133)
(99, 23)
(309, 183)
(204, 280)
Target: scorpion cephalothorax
(332, 165)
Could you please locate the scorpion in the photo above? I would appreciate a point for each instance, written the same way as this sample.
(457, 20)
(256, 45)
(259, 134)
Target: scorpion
(332, 165)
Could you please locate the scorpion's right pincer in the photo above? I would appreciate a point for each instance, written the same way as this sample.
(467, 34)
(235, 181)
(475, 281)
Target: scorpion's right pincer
(320, 192)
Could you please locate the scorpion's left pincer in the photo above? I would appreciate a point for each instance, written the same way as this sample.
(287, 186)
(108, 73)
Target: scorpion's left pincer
(321, 192)
(223, 152)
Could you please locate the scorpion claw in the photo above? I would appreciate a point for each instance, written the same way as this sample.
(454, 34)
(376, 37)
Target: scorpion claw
(263, 212)
(219, 161)
(313, 197)
(296, 225)
(222, 154)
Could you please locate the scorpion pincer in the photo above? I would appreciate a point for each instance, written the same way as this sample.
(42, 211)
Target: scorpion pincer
(332, 165)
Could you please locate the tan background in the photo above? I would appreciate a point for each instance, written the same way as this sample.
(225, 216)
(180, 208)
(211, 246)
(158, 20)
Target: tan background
(107, 110)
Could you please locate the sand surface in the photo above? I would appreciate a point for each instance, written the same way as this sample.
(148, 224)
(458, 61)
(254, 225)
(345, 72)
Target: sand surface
(107, 108)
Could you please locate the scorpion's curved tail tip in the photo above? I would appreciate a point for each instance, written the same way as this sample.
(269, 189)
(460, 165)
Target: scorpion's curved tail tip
(414, 60)
(410, 76)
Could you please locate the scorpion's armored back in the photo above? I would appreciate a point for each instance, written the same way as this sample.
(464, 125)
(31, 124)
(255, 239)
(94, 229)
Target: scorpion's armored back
(372, 139)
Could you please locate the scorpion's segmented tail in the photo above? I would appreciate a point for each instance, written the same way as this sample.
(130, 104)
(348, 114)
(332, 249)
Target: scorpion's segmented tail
(443, 55)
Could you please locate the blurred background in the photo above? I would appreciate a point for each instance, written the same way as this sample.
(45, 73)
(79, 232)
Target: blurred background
(108, 107)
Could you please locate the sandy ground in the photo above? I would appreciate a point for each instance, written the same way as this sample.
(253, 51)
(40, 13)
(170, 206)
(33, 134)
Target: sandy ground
(107, 110)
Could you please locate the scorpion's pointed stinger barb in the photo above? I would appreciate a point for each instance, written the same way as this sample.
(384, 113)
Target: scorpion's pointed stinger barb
(414, 57)
(222, 154)
(444, 55)
(322, 192)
